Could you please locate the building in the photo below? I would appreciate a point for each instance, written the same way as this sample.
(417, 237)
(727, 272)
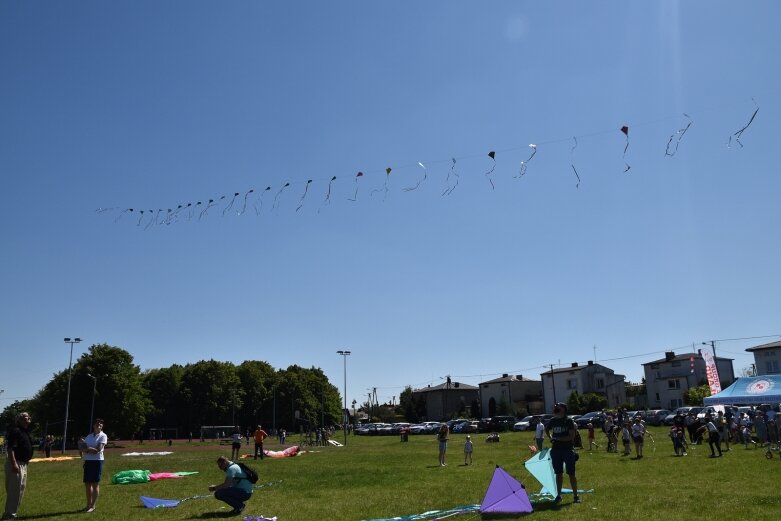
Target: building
(767, 358)
(668, 379)
(559, 383)
(449, 400)
(520, 396)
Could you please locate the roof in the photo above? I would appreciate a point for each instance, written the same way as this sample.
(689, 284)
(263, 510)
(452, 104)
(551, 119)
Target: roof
(510, 378)
(454, 386)
(749, 390)
(771, 345)
(684, 358)
(570, 369)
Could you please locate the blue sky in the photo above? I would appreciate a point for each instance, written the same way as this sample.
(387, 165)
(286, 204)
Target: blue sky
(148, 105)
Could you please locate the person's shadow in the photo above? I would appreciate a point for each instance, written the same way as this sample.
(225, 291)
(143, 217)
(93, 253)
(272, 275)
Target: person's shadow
(55, 514)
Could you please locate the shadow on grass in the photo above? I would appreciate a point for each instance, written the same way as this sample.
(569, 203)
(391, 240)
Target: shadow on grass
(214, 515)
(55, 514)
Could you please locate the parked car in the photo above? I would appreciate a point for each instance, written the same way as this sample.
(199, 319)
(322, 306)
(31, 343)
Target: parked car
(397, 428)
(497, 424)
(668, 420)
(656, 416)
(470, 427)
(417, 428)
(595, 418)
(527, 423)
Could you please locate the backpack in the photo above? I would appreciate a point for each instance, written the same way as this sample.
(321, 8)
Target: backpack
(252, 476)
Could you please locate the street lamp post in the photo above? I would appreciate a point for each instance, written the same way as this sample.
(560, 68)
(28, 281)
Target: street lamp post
(70, 341)
(345, 414)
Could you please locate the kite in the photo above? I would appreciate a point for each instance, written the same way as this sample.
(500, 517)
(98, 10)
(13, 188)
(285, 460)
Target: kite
(328, 193)
(572, 160)
(525, 164)
(162, 453)
(287, 453)
(204, 211)
(306, 189)
(425, 175)
(625, 130)
(452, 171)
(739, 133)
(150, 502)
(505, 495)
(230, 205)
(492, 155)
(122, 213)
(680, 132)
(260, 200)
(355, 195)
(436, 514)
(276, 197)
(244, 206)
(541, 468)
(259, 518)
(385, 186)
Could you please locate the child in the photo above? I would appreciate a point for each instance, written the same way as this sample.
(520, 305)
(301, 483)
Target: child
(468, 451)
(626, 439)
(677, 447)
(591, 441)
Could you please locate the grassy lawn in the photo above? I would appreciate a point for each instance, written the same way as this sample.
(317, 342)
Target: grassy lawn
(378, 477)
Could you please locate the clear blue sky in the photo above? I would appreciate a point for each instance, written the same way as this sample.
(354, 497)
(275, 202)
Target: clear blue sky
(148, 105)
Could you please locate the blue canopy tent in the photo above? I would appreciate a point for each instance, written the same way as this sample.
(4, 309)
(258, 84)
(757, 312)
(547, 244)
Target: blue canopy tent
(750, 390)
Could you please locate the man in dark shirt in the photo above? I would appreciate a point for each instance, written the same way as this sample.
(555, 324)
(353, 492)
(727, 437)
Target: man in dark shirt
(20, 451)
(562, 431)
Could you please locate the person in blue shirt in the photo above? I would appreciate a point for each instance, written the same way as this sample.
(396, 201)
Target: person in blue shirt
(236, 489)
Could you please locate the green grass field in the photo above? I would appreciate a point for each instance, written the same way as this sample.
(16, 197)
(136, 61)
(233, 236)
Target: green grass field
(380, 477)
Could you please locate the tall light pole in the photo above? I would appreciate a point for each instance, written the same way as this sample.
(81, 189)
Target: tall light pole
(70, 341)
(346, 413)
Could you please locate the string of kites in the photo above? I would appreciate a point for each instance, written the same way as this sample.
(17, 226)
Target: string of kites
(240, 201)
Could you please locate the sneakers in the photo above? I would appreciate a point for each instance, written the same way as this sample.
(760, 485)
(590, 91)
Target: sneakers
(237, 511)
(557, 500)
(577, 499)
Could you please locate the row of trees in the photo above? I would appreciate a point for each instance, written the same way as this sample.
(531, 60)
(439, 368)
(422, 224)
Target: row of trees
(179, 397)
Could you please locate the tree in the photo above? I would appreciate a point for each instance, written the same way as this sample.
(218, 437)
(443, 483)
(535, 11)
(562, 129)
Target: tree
(213, 393)
(164, 388)
(593, 402)
(575, 403)
(258, 379)
(413, 409)
(695, 395)
(120, 397)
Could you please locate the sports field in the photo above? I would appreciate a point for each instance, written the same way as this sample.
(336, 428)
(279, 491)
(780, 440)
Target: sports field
(381, 477)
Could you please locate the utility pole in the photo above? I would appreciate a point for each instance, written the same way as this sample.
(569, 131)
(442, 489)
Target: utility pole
(68, 398)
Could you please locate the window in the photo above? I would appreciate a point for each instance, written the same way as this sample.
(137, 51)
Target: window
(572, 383)
(771, 366)
(675, 403)
(657, 397)
(600, 383)
(674, 384)
(677, 363)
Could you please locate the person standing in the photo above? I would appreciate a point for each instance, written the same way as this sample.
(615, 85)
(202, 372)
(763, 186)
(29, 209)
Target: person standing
(93, 463)
(236, 489)
(235, 442)
(638, 436)
(562, 431)
(20, 451)
(468, 448)
(442, 436)
(259, 436)
(539, 434)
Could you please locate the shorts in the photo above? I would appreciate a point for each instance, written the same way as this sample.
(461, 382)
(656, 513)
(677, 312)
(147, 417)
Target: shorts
(236, 445)
(442, 445)
(561, 457)
(638, 439)
(93, 470)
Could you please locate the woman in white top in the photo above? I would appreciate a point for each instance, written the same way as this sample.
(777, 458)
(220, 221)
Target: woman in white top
(93, 463)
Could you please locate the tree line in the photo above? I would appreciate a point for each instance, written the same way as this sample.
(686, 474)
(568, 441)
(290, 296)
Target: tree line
(179, 398)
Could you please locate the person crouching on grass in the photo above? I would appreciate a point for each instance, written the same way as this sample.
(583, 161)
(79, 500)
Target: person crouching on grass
(236, 489)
